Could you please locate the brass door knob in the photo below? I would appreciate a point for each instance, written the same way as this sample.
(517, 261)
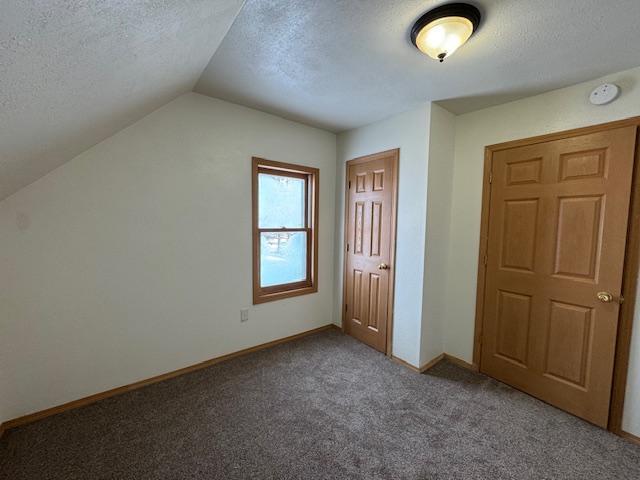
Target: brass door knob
(383, 266)
(605, 297)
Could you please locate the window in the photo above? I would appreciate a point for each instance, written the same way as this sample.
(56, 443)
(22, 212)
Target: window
(285, 230)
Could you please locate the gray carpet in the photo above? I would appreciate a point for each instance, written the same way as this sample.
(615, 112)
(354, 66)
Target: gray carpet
(323, 407)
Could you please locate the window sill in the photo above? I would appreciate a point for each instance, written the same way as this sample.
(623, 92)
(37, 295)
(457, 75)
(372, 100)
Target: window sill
(270, 297)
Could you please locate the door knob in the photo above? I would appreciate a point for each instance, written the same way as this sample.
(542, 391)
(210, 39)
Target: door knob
(383, 266)
(605, 297)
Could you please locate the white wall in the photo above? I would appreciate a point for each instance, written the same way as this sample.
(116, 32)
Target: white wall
(550, 112)
(631, 421)
(408, 131)
(439, 191)
(134, 258)
(3, 390)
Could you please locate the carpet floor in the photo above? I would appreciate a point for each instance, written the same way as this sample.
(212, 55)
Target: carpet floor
(322, 407)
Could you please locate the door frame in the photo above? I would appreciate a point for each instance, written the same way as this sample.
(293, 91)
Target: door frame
(631, 261)
(395, 154)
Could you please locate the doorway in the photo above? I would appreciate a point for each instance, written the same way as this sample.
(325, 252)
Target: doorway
(553, 259)
(370, 232)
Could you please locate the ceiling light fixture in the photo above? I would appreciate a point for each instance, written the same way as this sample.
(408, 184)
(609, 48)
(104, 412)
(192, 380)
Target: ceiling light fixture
(441, 31)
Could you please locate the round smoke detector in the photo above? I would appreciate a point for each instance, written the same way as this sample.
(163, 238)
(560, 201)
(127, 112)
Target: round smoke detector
(605, 93)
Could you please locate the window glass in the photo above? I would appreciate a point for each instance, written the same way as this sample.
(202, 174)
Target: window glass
(283, 258)
(281, 201)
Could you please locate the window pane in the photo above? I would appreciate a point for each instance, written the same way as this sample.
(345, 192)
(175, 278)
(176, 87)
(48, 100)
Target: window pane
(283, 258)
(280, 201)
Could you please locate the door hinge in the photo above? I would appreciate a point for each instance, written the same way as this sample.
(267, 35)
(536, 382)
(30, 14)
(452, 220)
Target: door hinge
(485, 259)
(347, 247)
(349, 184)
(490, 177)
(346, 307)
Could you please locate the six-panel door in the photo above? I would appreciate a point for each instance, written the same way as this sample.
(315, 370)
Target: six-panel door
(369, 242)
(557, 233)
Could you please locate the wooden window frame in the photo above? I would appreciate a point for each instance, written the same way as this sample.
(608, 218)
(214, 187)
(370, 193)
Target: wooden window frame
(311, 176)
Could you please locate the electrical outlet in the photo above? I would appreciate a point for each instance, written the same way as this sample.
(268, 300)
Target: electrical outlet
(244, 314)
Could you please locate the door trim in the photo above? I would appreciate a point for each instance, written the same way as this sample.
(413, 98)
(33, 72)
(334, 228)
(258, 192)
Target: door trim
(631, 262)
(395, 154)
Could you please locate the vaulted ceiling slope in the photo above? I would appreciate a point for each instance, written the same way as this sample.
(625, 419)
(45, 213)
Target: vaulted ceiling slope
(74, 72)
(343, 64)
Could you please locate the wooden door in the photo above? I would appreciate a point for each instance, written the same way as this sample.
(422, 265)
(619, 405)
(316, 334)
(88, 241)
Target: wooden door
(370, 243)
(556, 243)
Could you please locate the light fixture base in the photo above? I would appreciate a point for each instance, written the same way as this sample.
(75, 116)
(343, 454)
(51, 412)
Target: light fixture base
(447, 28)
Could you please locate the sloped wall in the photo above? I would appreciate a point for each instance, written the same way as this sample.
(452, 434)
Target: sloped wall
(134, 258)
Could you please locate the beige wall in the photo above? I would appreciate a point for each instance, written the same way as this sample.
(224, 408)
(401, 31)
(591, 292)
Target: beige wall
(439, 190)
(134, 258)
(551, 112)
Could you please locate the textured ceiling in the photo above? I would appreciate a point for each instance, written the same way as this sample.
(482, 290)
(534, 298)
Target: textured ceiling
(73, 72)
(344, 63)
